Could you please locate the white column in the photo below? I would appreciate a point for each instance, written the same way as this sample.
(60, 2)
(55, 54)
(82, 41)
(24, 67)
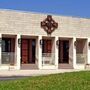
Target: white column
(88, 47)
(74, 53)
(56, 53)
(18, 51)
(0, 49)
(39, 53)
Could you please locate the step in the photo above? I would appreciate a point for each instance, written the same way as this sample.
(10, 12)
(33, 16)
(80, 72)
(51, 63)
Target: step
(11, 68)
(87, 66)
(65, 66)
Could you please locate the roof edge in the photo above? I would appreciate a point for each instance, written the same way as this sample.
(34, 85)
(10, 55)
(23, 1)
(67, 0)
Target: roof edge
(22, 11)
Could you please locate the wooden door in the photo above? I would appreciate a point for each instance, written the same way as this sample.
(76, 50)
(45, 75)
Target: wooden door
(66, 52)
(63, 51)
(47, 46)
(28, 47)
(24, 51)
(32, 48)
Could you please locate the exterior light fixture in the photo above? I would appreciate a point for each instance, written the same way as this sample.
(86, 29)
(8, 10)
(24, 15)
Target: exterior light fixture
(0, 41)
(75, 43)
(19, 41)
(41, 42)
(57, 42)
(89, 44)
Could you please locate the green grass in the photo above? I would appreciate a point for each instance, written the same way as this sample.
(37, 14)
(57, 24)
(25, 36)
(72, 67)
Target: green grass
(64, 81)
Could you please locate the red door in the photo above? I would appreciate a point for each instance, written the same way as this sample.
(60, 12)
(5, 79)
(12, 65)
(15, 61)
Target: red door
(47, 46)
(28, 51)
(24, 51)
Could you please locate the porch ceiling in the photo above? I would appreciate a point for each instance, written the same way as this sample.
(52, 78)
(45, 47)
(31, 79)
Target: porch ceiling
(8, 36)
(28, 37)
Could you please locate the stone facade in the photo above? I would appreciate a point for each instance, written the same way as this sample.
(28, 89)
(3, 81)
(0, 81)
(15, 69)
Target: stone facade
(17, 22)
(26, 23)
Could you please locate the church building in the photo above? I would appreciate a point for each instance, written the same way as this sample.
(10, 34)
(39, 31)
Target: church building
(43, 41)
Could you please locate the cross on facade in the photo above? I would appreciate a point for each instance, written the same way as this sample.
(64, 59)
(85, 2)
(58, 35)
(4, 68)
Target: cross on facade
(49, 25)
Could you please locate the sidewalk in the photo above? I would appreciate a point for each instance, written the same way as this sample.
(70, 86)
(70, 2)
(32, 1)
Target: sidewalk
(10, 73)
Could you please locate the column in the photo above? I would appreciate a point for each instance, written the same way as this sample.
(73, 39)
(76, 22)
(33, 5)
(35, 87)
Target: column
(56, 53)
(18, 51)
(88, 51)
(0, 48)
(39, 52)
(74, 53)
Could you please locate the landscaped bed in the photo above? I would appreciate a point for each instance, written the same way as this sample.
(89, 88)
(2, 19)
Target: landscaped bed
(62, 81)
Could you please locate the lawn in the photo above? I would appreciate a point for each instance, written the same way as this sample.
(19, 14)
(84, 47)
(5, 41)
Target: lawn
(63, 81)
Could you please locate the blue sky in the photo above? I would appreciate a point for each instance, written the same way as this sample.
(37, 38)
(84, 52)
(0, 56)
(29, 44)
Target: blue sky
(78, 8)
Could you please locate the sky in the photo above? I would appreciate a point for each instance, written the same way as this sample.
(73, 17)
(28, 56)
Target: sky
(76, 8)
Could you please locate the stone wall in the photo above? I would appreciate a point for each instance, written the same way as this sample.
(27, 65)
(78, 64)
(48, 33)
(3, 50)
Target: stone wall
(26, 23)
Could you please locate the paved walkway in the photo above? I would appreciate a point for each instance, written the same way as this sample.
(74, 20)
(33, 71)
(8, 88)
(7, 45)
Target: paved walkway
(14, 73)
(11, 78)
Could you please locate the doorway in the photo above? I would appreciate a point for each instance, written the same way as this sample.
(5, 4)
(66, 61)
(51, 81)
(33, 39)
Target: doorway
(47, 46)
(8, 51)
(48, 52)
(63, 51)
(81, 51)
(28, 47)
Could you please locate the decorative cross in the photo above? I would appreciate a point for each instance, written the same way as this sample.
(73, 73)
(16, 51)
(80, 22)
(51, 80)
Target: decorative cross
(49, 25)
